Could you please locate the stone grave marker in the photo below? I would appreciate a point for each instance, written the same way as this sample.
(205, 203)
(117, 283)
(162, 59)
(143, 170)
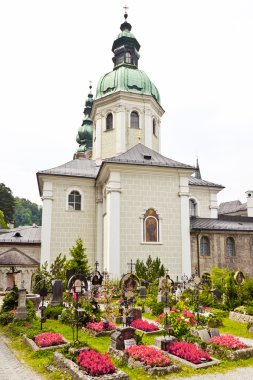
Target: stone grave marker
(143, 292)
(21, 313)
(214, 332)
(57, 293)
(121, 335)
(204, 335)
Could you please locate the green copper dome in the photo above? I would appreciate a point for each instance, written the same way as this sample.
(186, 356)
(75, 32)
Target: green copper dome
(126, 76)
(84, 136)
(126, 79)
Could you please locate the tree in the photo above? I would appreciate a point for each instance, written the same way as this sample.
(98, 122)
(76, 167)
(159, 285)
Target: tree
(26, 212)
(3, 223)
(58, 268)
(7, 202)
(79, 262)
(151, 270)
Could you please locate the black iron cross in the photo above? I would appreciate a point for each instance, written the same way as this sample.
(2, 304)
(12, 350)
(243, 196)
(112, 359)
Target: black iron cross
(131, 265)
(167, 272)
(96, 265)
(126, 8)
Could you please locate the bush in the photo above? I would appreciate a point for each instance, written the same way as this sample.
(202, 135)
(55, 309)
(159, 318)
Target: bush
(52, 312)
(6, 318)
(10, 301)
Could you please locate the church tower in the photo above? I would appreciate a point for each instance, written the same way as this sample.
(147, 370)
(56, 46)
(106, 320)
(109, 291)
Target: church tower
(127, 107)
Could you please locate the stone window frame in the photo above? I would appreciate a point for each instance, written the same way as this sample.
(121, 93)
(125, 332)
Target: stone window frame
(143, 220)
(227, 247)
(69, 191)
(131, 124)
(193, 200)
(109, 122)
(205, 246)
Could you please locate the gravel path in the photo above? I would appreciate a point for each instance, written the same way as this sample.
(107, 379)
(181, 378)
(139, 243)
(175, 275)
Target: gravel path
(243, 373)
(11, 368)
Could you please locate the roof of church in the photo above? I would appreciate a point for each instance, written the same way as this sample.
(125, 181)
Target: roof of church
(16, 257)
(237, 224)
(232, 206)
(76, 168)
(24, 234)
(142, 155)
(201, 182)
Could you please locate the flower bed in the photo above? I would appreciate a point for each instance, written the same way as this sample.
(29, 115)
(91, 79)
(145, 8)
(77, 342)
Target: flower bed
(45, 341)
(77, 373)
(145, 326)
(229, 347)
(180, 321)
(94, 363)
(189, 354)
(97, 328)
(152, 360)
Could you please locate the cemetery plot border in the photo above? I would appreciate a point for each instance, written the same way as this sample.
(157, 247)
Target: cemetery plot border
(222, 351)
(76, 373)
(150, 332)
(30, 343)
(195, 366)
(97, 333)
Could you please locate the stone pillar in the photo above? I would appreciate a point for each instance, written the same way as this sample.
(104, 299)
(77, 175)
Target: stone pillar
(148, 128)
(185, 225)
(99, 238)
(47, 199)
(213, 206)
(250, 202)
(21, 313)
(113, 231)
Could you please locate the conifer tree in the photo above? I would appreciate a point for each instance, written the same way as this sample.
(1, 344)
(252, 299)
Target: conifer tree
(79, 262)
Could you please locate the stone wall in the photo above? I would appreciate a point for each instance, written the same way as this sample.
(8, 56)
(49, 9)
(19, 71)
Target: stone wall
(245, 318)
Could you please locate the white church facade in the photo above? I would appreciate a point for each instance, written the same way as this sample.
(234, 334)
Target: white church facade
(119, 194)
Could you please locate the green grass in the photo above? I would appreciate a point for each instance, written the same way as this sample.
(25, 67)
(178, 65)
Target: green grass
(41, 359)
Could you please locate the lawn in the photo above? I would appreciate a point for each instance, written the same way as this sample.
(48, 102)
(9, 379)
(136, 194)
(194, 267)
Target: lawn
(42, 359)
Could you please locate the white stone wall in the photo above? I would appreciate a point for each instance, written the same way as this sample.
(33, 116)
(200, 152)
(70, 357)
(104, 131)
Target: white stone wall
(206, 199)
(158, 189)
(67, 225)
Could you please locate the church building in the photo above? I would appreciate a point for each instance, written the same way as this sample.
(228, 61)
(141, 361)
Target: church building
(119, 193)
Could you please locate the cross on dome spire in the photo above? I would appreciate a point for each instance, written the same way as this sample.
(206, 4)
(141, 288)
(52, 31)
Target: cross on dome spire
(126, 14)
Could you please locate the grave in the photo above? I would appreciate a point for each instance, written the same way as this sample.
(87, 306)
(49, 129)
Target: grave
(57, 293)
(21, 313)
(121, 335)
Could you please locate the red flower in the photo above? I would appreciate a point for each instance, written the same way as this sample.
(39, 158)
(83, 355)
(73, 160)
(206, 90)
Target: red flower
(187, 351)
(94, 363)
(48, 339)
(144, 325)
(99, 326)
(13, 311)
(148, 355)
(228, 341)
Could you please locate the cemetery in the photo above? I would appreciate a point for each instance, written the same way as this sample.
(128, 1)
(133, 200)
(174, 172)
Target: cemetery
(91, 326)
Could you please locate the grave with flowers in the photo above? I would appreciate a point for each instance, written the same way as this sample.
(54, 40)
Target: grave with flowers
(145, 327)
(101, 328)
(88, 364)
(45, 341)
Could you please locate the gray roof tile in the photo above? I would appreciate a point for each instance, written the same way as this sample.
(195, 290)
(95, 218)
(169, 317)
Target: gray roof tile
(76, 168)
(24, 234)
(221, 225)
(201, 182)
(232, 206)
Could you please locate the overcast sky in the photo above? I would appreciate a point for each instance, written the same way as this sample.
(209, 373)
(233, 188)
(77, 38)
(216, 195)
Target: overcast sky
(198, 53)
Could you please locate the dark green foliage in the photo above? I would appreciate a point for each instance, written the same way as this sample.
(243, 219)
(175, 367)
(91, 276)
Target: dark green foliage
(248, 290)
(26, 213)
(3, 223)
(6, 318)
(79, 262)
(150, 271)
(10, 301)
(41, 278)
(58, 268)
(31, 312)
(6, 202)
(52, 312)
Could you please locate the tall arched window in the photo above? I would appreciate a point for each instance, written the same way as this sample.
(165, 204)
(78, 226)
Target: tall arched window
(134, 120)
(151, 226)
(230, 247)
(193, 207)
(251, 247)
(74, 200)
(128, 58)
(109, 121)
(204, 246)
(154, 128)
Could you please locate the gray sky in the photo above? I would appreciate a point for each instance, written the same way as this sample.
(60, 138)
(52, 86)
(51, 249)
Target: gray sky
(197, 52)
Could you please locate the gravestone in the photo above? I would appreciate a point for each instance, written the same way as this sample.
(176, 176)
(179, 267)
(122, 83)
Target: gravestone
(204, 335)
(57, 293)
(143, 292)
(121, 335)
(214, 332)
(135, 313)
(21, 313)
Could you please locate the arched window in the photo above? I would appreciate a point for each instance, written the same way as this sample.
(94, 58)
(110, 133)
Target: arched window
(151, 226)
(134, 120)
(74, 200)
(193, 207)
(109, 121)
(128, 57)
(154, 128)
(230, 247)
(251, 247)
(204, 246)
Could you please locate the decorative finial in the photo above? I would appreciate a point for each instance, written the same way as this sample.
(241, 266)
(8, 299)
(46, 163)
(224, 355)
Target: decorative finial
(126, 8)
(139, 137)
(90, 86)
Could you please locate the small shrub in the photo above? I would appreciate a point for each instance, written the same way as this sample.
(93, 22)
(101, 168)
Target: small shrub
(52, 312)
(10, 301)
(6, 318)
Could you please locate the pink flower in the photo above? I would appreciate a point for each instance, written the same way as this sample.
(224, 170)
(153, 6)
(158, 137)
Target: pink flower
(187, 351)
(144, 325)
(48, 339)
(228, 341)
(99, 326)
(13, 311)
(148, 355)
(94, 363)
